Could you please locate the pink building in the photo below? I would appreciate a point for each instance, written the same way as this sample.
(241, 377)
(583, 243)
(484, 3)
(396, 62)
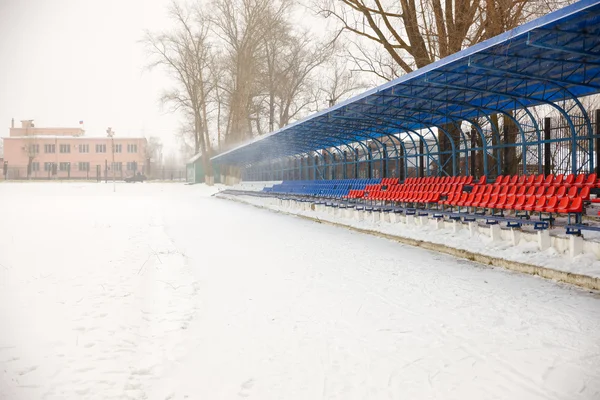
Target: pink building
(65, 153)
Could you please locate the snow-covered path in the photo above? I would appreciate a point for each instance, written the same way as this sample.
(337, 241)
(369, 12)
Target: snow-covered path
(162, 292)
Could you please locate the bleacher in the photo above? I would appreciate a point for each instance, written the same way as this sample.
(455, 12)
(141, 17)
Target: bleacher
(506, 199)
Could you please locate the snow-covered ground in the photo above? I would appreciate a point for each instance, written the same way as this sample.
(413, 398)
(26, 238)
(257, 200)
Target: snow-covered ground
(526, 251)
(160, 291)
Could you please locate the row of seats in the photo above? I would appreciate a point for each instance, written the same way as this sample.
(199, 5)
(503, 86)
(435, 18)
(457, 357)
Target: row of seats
(337, 188)
(580, 180)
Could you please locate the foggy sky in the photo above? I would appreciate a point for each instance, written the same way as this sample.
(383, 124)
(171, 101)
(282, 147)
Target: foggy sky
(63, 61)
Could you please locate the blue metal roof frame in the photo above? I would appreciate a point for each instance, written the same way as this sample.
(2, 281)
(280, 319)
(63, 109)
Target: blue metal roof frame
(548, 60)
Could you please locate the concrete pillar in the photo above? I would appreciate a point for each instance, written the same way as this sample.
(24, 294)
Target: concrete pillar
(456, 225)
(575, 245)
(423, 220)
(495, 232)
(473, 228)
(359, 215)
(385, 216)
(515, 236)
(393, 217)
(410, 220)
(375, 216)
(439, 223)
(543, 238)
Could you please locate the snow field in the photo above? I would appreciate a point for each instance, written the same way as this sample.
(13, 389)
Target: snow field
(162, 292)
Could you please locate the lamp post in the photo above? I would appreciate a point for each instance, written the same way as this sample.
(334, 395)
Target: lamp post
(111, 135)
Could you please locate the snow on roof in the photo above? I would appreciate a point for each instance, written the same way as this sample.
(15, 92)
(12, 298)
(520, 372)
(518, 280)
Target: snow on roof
(195, 158)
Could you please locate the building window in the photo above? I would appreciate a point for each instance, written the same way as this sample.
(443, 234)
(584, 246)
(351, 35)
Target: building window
(34, 149)
(64, 166)
(84, 166)
(117, 166)
(100, 148)
(49, 148)
(132, 166)
(35, 166)
(65, 148)
(118, 148)
(48, 166)
(132, 148)
(84, 148)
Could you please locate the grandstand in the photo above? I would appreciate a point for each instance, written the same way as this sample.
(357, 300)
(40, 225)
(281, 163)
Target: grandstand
(426, 143)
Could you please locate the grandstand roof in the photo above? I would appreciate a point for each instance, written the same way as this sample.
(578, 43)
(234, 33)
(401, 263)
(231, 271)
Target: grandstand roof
(553, 58)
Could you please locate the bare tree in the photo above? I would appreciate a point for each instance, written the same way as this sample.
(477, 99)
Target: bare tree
(338, 84)
(185, 53)
(243, 26)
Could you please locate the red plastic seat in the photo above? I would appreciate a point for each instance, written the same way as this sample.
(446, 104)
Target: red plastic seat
(579, 180)
(539, 180)
(499, 179)
(540, 191)
(549, 180)
(561, 192)
(522, 179)
(462, 199)
(572, 192)
(468, 200)
(504, 189)
(512, 191)
(482, 180)
(551, 205)
(550, 191)
(476, 200)
(514, 179)
(484, 200)
(492, 201)
(569, 180)
(584, 193)
(521, 191)
(530, 180)
(575, 206)
(530, 203)
(520, 203)
(501, 201)
(540, 204)
(558, 180)
(510, 202)
(530, 191)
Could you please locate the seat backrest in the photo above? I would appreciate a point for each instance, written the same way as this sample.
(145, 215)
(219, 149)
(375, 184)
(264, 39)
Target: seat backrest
(512, 190)
(531, 200)
(572, 191)
(522, 179)
(502, 199)
(570, 179)
(499, 180)
(552, 201)
(486, 198)
(562, 190)
(558, 179)
(506, 180)
(521, 190)
(540, 191)
(504, 189)
(584, 193)
(541, 202)
(539, 179)
(520, 200)
(482, 180)
(551, 191)
(514, 179)
(475, 189)
(493, 199)
(563, 203)
(580, 179)
(488, 189)
(591, 179)
(530, 191)
(478, 197)
(549, 179)
(576, 205)
(469, 180)
(530, 180)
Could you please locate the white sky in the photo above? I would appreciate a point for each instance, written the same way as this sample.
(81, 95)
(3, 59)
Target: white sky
(68, 60)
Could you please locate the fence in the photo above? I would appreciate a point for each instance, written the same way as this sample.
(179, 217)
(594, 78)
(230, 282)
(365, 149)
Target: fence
(95, 173)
